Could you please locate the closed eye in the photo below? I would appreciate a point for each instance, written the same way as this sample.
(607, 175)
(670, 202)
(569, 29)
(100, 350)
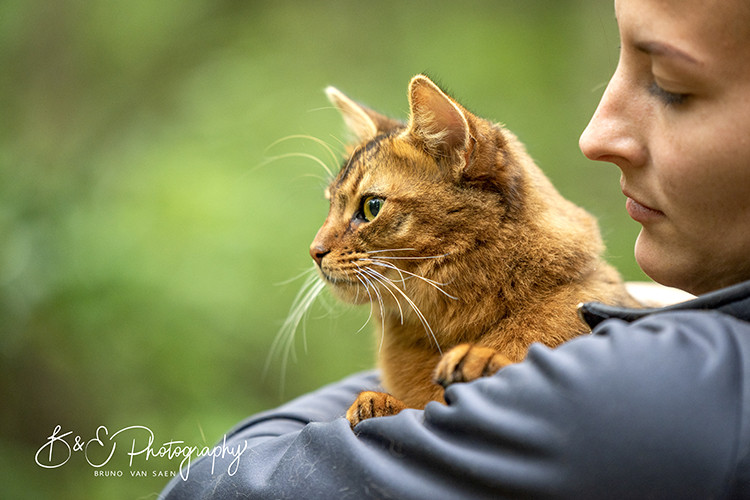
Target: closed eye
(666, 97)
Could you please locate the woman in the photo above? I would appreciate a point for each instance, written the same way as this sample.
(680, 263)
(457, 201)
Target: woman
(657, 406)
(675, 119)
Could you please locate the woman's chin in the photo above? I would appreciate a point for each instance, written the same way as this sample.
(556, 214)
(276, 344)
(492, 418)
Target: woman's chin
(653, 260)
(669, 265)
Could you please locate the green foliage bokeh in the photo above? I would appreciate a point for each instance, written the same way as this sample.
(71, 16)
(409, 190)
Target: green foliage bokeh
(148, 215)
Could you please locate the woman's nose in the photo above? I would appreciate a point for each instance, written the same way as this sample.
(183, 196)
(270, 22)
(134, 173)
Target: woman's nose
(616, 131)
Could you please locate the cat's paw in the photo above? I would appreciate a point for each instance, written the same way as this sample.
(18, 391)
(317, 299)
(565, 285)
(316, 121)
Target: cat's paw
(371, 404)
(467, 362)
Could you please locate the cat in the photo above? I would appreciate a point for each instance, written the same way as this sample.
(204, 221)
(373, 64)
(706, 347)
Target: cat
(464, 250)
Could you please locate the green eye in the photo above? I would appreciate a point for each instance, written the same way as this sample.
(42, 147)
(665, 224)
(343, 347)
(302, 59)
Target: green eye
(371, 207)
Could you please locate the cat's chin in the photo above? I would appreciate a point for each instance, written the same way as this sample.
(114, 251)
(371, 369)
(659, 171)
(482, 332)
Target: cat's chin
(350, 293)
(346, 291)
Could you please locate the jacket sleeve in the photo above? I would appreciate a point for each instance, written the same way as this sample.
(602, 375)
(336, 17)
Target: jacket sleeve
(649, 410)
(322, 405)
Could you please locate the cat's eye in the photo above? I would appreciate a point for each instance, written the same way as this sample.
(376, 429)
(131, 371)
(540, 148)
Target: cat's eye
(371, 207)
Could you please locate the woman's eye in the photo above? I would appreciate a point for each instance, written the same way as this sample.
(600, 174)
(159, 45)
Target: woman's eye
(371, 207)
(667, 97)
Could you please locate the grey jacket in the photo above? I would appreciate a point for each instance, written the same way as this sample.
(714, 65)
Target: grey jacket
(655, 404)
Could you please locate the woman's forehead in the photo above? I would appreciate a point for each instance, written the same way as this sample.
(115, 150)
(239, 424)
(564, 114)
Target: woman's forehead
(707, 29)
(722, 18)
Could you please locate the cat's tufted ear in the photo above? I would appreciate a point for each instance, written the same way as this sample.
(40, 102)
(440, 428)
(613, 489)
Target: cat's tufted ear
(364, 123)
(436, 120)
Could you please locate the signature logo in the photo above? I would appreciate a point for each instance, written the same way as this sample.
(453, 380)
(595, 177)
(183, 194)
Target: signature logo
(100, 449)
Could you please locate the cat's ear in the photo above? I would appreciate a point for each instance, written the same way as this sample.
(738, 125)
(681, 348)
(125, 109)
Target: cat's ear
(436, 120)
(363, 122)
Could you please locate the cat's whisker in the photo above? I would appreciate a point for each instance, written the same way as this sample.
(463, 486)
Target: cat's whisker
(285, 337)
(317, 140)
(392, 250)
(314, 176)
(380, 301)
(374, 289)
(342, 143)
(356, 297)
(382, 315)
(401, 311)
(295, 278)
(364, 285)
(425, 257)
(348, 163)
(430, 282)
(296, 155)
(420, 257)
(284, 340)
(385, 281)
(390, 266)
(382, 309)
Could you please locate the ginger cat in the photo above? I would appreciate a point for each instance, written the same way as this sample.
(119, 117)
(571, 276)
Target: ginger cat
(460, 244)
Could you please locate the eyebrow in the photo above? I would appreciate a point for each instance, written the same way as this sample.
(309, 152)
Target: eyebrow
(664, 49)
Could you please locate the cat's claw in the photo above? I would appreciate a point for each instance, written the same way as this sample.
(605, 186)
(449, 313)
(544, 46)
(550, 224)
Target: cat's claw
(371, 404)
(467, 362)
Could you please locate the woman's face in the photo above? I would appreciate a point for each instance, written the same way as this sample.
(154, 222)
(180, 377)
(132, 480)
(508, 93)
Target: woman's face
(675, 119)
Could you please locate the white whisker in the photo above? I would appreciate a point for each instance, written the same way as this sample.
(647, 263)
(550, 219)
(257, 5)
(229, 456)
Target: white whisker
(386, 264)
(385, 281)
(412, 258)
(364, 285)
(321, 142)
(284, 340)
(297, 155)
(433, 283)
(380, 301)
(405, 250)
(392, 250)
(342, 143)
(401, 311)
(290, 280)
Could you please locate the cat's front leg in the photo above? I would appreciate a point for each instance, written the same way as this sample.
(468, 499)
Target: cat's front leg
(467, 362)
(371, 404)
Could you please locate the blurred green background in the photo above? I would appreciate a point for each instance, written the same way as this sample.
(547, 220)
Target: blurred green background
(144, 233)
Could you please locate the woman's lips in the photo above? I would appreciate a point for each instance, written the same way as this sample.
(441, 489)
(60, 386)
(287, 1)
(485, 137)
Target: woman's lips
(641, 213)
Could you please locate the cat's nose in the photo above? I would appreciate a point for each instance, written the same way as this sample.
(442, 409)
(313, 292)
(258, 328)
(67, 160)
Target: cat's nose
(317, 252)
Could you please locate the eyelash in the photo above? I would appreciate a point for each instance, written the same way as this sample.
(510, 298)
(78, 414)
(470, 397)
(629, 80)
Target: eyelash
(666, 97)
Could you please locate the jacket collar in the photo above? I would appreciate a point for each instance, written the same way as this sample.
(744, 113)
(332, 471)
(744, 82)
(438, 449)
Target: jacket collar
(733, 300)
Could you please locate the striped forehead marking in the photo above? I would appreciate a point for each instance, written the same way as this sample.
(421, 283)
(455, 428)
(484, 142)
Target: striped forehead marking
(360, 154)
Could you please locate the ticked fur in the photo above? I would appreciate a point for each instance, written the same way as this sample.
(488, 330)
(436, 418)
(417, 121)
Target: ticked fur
(471, 244)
